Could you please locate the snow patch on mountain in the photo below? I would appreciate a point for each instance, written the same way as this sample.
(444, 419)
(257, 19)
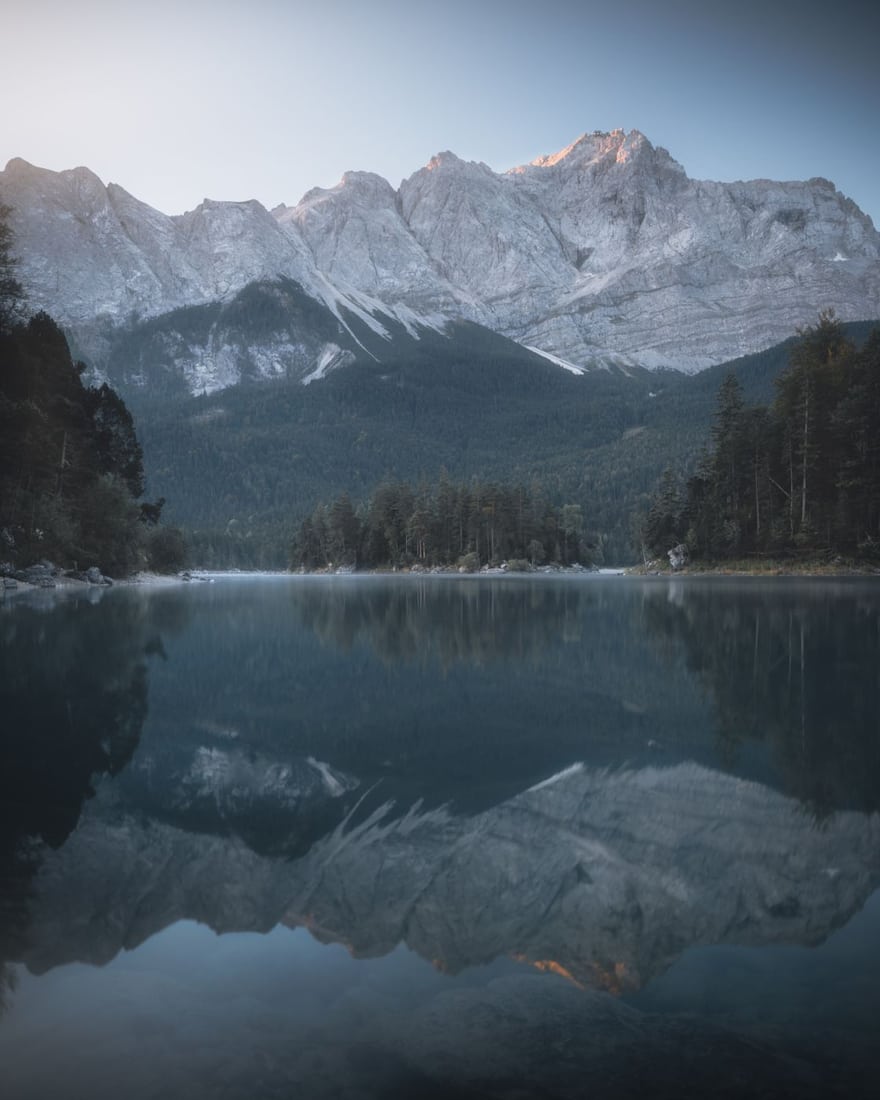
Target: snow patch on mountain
(332, 356)
(571, 367)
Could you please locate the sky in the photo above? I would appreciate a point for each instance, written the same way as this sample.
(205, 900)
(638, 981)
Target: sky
(179, 100)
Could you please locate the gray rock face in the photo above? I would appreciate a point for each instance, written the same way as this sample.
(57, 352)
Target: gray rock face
(90, 252)
(360, 241)
(604, 878)
(603, 252)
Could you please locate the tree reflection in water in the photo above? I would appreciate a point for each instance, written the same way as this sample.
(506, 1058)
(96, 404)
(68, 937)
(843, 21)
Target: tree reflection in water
(74, 699)
(793, 666)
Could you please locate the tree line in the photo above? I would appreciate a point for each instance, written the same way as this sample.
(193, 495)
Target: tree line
(801, 474)
(467, 525)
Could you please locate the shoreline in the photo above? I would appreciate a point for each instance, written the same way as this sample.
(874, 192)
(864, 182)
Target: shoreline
(765, 567)
(762, 569)
(62, 584)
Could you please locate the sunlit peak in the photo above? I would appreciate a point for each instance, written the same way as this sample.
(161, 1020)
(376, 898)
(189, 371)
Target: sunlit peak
(596, 144)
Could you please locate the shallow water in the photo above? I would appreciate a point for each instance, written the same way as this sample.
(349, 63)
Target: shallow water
(364, 836)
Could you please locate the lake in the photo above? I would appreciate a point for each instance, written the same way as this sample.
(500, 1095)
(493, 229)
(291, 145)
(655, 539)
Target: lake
(551, 836)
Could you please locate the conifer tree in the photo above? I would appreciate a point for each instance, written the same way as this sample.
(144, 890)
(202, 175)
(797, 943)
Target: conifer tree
(11, 292)
(807, 393)
(804, 473)
(662, 528)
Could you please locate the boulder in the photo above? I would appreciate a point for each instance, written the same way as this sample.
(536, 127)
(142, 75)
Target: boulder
(678, 557)
(42, 575)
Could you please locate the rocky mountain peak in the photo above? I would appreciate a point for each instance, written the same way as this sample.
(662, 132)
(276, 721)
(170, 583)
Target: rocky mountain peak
(446, 159)
(599, 151)
(367, 183)
(448, 164)
(358, 187)
(77, 186)
(18, 168)
(603, 252)
(220, 207)
(588, 147)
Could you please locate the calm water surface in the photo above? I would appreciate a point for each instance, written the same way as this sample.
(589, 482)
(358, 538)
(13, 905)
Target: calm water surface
(513, 837)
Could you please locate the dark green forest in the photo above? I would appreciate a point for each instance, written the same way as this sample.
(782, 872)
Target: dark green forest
(241, 468)
(71, 469)
(466, 525)
(798, 474)
(245, 465)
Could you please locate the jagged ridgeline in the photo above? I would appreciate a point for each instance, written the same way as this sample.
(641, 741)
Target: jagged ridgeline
(605, 251)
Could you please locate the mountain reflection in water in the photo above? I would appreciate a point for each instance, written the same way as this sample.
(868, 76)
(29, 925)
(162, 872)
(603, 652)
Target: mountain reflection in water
(547, 790)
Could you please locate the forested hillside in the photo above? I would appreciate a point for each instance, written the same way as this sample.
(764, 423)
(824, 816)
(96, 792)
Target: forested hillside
(241, 468)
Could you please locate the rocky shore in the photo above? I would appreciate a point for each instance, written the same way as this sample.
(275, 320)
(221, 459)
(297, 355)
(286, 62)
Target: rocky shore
(46, 575)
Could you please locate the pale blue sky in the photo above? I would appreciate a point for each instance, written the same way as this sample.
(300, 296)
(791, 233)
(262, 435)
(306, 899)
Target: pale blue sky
(235, 99)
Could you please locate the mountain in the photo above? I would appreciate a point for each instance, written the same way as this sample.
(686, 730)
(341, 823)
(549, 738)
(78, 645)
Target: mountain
(610, 874)
(603, 253)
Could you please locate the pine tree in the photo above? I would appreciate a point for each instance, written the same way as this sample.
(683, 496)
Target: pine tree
(807, 393)
(663, 526)
(11, 292)
(856, 424)
(729, 467)
(803, 474)
(344, 531)
(70, 462)
(119, 451)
